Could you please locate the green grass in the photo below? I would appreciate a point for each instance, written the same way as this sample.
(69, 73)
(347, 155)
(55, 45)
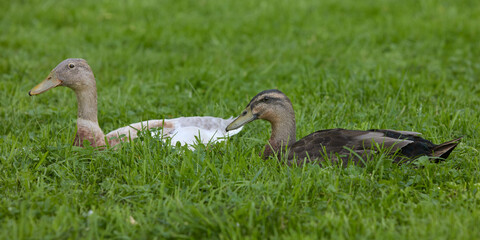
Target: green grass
(406, 65)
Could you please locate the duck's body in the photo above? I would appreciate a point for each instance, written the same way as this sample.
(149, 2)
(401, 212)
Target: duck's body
(336, 145)
(186, 130)
(343, 145)
(77, 75)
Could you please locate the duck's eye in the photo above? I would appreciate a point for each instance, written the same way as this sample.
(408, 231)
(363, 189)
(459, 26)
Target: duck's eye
(265, 99)
(71, 65)
(244, 113)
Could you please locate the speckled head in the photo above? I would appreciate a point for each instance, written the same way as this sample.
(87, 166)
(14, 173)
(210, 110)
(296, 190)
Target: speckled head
(74, 73)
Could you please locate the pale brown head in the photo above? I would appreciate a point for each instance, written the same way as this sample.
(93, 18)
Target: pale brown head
(74, 73)
(271, 105)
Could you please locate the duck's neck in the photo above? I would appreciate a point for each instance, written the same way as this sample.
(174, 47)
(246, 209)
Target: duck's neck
(283, 134)
(87, 121)
(87, 104)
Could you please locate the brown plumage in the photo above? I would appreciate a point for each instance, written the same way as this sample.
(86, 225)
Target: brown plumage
(337, 145)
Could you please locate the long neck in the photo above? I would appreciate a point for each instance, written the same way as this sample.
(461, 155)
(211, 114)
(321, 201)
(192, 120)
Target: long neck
(87, 121)
(283, 132)
(87, 103)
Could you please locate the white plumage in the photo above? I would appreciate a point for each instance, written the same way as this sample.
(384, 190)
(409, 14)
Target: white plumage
(77, 75)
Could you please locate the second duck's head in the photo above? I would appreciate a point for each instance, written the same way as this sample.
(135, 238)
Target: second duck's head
(271, 105)
(74, 73)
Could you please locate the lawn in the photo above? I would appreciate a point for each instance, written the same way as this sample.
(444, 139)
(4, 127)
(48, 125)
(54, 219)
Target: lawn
(406, 65)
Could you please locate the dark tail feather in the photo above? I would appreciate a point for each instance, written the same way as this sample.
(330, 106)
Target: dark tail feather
(443, 150)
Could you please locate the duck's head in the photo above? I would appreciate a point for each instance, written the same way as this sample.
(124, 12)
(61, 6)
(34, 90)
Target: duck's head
(271, 105)
(74, 73)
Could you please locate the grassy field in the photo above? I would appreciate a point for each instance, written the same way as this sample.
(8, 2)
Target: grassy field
(406, 65)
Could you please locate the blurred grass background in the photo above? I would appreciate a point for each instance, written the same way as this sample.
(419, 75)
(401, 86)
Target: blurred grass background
(406, 65)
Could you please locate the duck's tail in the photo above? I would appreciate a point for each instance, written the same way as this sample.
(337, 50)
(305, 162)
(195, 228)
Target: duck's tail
(443, 150)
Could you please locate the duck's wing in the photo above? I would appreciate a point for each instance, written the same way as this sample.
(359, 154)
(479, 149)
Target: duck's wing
(341, 144)
(131, 131)
(186, 130)
(193, 130)
(414, 136)
(421, 146)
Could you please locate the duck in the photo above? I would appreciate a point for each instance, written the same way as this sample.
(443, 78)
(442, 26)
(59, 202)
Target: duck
(76, 74)
(338, 146)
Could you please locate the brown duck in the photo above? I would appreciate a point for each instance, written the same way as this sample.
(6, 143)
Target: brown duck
(337, 145)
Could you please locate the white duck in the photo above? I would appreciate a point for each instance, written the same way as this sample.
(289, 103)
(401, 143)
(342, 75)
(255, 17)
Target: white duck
(75, 73)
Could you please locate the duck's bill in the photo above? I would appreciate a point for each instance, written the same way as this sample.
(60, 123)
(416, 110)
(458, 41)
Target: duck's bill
(246, 117)
(50, 82)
